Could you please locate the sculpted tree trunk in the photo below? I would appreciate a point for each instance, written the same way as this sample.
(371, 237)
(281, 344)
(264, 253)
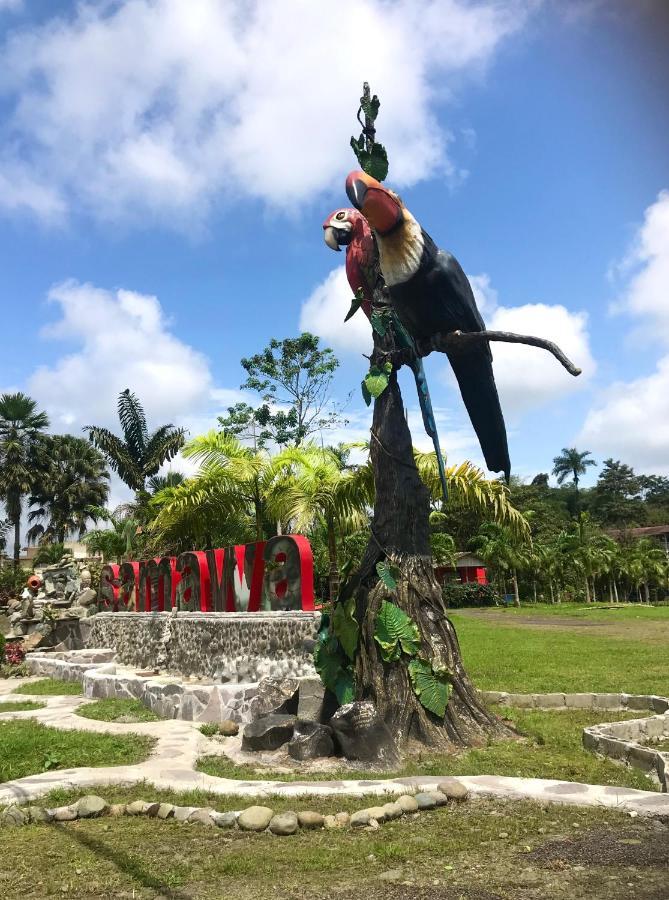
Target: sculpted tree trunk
(400, 533)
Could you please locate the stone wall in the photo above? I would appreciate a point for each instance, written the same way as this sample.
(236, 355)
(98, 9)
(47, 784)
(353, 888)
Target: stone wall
(229, 647)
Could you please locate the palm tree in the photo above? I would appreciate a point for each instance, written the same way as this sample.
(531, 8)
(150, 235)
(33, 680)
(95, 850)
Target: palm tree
(49, 554)
(322, 491)
(501, 551)
(158, 483)
(20, 425)
(469, 488)
(138, 454)
(648, 563)
(71, 481)
(572, 462)
(118, 541)
(227, 500)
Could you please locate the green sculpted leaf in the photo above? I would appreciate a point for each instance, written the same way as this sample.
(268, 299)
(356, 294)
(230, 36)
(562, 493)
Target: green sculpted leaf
(346, 627)
(356, 303)
(376, 381)
(395, 632)
(370, 108)
(431, 688)
(379, 323)
(377, 165)
(374, 161)
(383, 570)
(366, 396)
(345, 687)
(328, 663)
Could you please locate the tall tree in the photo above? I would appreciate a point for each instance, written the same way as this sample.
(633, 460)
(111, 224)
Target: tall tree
(321, 491)
(21, 424)
(139, 454)
(293, 377)
(616, 499)
(71, 481)
(572, 462)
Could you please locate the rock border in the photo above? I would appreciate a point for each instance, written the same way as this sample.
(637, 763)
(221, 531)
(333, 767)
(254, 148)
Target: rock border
(623, 742)
(253, 818)
(180, 743)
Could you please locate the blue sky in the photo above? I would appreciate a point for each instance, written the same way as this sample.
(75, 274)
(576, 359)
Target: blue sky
(165, 169)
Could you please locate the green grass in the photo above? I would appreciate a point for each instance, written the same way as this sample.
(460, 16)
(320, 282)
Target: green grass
(50, 687)
(468, 849)
(552, 749)
(21, 706)
(599, 612)
(503, 658)
(113, 709)
(29, 747)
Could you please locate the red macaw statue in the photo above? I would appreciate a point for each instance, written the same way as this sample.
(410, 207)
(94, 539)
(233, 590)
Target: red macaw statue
(430, 293)
(349, 228)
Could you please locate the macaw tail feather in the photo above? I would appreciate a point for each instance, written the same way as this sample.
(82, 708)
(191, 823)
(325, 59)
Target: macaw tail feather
(428, 419)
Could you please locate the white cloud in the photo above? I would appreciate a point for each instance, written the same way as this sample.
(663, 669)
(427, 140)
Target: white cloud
(162, 108)
(324, 311)
(122, 339)
(527, 377)
(12, 5)
(631, 419)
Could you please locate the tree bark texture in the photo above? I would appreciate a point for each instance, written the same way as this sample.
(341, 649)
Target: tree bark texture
(400, 532)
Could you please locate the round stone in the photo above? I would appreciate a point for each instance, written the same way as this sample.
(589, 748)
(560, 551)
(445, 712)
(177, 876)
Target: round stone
(225, 820)
(342, 819)
(12, 817)
(426, 801)
(309, 819)
(228, 728)
(202, 817)
(408, 803)
(39, 814)
(65, 813)
(91, 806)
(453, 789)
(284, 823)
(255, 818)
(360, 818)
(378, 813)
(392, 810)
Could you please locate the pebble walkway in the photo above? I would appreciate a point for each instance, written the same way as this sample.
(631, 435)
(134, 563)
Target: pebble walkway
(179, 744)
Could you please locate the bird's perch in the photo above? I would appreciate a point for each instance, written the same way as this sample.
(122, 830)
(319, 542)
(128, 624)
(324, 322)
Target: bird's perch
(453, 341)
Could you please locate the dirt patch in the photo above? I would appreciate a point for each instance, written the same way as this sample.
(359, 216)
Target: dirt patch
(639, 847)
(650, 632)
(407, 892)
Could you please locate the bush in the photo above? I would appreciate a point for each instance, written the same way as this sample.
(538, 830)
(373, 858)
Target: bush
(12, 582)
(2, 648)
(456, 595)
(14, 654)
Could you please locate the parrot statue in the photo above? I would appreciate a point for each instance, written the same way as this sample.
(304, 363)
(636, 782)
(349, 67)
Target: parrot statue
(349, 228)
(430, 293)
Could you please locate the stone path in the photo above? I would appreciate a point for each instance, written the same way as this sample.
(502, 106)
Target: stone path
(179, 744)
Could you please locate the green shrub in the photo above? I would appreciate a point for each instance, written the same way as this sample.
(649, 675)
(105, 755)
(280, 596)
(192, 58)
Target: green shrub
(457, 595)
(12, 582)
(2, 648)
(209, 729)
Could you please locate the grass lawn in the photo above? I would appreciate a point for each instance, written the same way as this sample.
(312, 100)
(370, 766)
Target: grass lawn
(552, 749)
(514, 657)
(50, 687)
(21, 706)
(112, 710)
(27, 747)
(478, 851)
(601, 612)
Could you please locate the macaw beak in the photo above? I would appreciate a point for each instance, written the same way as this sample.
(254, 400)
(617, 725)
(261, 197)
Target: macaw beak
(378, 205)
(357, 185)
(330, 238)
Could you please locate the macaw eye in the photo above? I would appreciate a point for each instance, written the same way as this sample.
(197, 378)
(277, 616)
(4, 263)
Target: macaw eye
(340, 215)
